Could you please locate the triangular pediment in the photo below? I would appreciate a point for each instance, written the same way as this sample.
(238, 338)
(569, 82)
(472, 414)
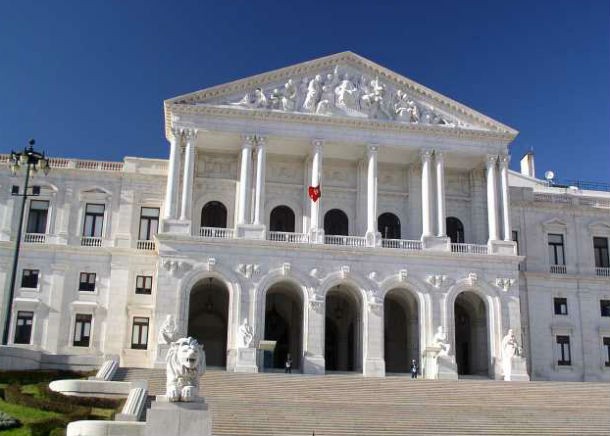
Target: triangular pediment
(346, 86)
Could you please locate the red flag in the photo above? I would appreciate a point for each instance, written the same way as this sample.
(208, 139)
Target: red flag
(314, 192)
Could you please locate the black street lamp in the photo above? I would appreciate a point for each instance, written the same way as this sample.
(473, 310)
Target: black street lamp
(33, 161)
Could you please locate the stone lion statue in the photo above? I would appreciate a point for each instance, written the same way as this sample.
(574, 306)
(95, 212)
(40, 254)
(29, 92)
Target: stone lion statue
(185, 364)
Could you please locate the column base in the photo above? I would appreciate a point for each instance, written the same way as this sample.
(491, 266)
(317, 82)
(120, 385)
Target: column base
(314, 365)
(506, 248)
(316, 236)
(436, 243)
(176, 226)
(246, 360)
(374, 368)
(373, 239)
(250, 231)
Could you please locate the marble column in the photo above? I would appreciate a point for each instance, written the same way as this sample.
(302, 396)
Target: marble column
(492, 203)
(426, 187)
(316, 173)
(190, 136)
(244, 179)
(439, 160)
(259, 194)
(371, 191)
(171, 192)
(503, 164)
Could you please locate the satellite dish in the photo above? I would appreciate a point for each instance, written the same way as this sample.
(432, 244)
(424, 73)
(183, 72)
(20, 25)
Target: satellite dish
(549, 175)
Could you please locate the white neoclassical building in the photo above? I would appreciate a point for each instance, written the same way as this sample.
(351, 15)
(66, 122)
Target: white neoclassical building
(335, 207)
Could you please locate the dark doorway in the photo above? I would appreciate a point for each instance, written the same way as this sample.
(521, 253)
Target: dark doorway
(281, 219)
(388, 225)
(471, 339)
(214, 214)
(401, 331)
(455, 230)
(336, 223)
(342, 332)
(283, 323)
(208, 319)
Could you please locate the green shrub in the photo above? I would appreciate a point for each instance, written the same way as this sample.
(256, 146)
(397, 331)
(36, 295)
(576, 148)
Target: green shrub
(46, 426)
(7, 421)
(38, 376)
(102, 403)
(58, 432)
(14, 395)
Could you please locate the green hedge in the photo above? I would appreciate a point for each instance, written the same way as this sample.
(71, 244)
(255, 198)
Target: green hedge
(7, 421)
(102, 403)
(33, 377)
(14, 395)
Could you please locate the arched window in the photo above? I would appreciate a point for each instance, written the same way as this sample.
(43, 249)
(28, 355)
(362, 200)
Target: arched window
(388, 225)
(214, 214)
(455, 230)
(282, 219)
(335, 223)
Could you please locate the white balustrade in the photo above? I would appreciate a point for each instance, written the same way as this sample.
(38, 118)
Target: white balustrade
(602, 271)
(215, 232)
(403, 244)
(350, 241)
(35, 238)
(146, 245)
(299, 238)
(90, 241)
(559, 269)
(468, 248)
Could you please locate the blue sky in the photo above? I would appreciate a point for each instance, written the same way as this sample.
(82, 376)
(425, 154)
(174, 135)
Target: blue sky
(87, 79)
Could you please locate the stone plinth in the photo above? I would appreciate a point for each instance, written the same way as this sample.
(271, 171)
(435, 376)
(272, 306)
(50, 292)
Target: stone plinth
(436, 243)
(439, 367)
(506, 248)
(250, 231)
(246, 360)
(178, 419)
(519, 369)
(160, 361)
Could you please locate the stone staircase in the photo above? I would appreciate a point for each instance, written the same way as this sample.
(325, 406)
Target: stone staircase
(278, 404)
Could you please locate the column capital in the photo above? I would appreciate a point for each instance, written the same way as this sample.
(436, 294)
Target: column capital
(503, 160)
(190, 135)
(248, 141)
(439, 156)
(317, 144)
(177, 133)
(260, 141)
(425, 155)
(372, 149)
(490, 160)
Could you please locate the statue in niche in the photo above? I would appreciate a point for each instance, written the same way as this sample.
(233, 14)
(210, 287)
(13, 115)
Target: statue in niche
(510, 348)
(314, 93)
(289, 97)
(246, 334)
(440, 341)
(373, 101)
(346, 94)
(405, 109)
(168, 332)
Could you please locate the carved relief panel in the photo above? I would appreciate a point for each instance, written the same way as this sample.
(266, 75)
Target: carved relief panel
(217, 166)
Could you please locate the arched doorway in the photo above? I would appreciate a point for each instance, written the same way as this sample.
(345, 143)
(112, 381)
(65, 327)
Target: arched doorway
(401, 330)
(471, 336)
(208, 319)
(336, 223)
(388, 225)
(455, 230)
(214, 214)
(281, 219)
(284, 324)
(343, 336)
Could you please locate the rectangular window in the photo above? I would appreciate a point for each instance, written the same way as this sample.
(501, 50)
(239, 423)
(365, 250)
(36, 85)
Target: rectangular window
(82, 330)
(23, 328)
(561, 306)
(86, 282)
(600, 249)
(563, 351)
(604, 306)
(144, 285)
(94, 220)
(606, 352)
(29, 278)
(149, 223)
(556, 250)
(139, 333)
(37, 217)
(515, 236)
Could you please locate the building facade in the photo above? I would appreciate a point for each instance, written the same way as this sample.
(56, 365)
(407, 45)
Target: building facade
(334, 207)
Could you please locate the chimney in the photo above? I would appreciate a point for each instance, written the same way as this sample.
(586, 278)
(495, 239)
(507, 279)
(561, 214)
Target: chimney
(527, 164)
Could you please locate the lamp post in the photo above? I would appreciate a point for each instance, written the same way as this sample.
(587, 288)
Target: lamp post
(33, 161)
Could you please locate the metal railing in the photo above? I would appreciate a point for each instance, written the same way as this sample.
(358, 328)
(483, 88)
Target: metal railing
(35, 238)
(146, 245)
(403, 244)
(558, 269)
(216, 232)
(91, 241)
(350, 241)
(468, 248)
(299, 238)
(602, 271)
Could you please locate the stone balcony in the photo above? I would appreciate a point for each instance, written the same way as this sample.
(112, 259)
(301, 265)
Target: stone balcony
(93, 242)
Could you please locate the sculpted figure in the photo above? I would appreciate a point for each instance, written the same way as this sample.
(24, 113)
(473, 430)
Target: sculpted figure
(510, 348)
(275, 99)
(314, 92)
(289, 98)
(255, 99)
(440, 340)
(168, 332)
(346, 94)
(327, 99)
(185, 365)
(373, 100)
(246, 334)
(405, 108)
